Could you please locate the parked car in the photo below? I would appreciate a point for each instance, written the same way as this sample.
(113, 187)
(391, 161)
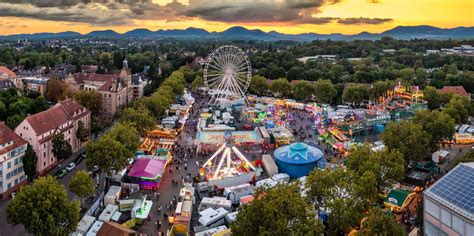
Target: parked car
(60, 173)
(78, 160)
(70, 167)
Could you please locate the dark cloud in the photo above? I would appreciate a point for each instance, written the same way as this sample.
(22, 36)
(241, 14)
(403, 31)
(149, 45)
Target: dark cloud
(126, 12)
(363, 20)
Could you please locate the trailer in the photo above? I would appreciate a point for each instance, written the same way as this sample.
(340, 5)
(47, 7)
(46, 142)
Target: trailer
(212, 231)
(113, 195)
(236, 192)
(215, 203)
(107, 213)
(214, 219)
(269, 165)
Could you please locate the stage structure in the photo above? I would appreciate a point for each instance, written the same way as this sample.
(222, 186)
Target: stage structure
(227, 74)
(231, 163)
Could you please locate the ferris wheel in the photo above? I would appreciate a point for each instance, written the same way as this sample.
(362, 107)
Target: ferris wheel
(227, 74)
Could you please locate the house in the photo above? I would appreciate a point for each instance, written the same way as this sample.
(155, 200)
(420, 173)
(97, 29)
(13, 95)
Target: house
(6, 84)
(40, 129)
(459, 90)
(449, 203)
(114, 229)
(12, 150)
(115, 89)
(139, 81)
(32, 83)
(7, 74)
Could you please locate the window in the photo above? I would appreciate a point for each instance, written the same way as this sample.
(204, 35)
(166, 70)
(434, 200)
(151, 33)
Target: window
(432, 208)
(446, 217)
(16, 161)
(1, 172)
(44, 164)
(16, 181)
(458, 224)
(9, 165)
(9, 186)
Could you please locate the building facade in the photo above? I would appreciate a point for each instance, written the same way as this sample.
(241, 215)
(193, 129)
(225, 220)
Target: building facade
(40, 129)
(38, 84)
(449, 203)
(12, 150)
(115, 89)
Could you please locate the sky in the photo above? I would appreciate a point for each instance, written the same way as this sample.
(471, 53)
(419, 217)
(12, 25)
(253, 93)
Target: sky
(286, 16)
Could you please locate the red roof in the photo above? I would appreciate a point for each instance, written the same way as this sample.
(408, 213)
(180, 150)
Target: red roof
(7, 135)
(72, 107)
(114, 229)
(454, 89)
(4, 69)
(80, 77)
(47, 120)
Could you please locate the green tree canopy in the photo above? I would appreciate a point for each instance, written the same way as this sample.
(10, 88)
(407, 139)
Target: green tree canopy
(126, 134)
(281, 86)
(61, 148)
(89, 99)
(303, 90)
(82, 184)
(277, 211)
(408, 138)
(107, 153)
(258, 85)
(82, 133)
(459, 108)
(432, 97)
(324, 91)
(140, 117)
(381, 223)
(29, 163)
(44, 208)
(438, 125)
(355, 93)
(56, 90)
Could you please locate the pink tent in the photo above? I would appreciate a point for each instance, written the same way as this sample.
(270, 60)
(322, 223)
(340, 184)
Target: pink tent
(147, 168)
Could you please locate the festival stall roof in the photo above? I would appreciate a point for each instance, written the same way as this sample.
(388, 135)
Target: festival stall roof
(298, 159)
(398, 198)
(114, 229)
(219, 137)
(147, 168)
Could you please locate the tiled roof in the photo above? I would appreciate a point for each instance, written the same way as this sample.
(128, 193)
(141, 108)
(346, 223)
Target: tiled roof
(47, 120)
(7, 135)
(114, 229)
(454, 89)
(71, 106)
(80, 77)
(4, 69)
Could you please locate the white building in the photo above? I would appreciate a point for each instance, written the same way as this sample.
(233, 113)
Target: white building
(317, 57)
(449, 203)
(12, 150)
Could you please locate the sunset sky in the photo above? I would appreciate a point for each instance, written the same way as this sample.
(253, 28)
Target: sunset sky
(287, 16)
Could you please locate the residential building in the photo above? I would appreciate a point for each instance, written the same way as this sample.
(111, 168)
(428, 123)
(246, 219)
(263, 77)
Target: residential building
(40, 129)
(7, 74)
(32, 83)
(6, 84)
(139, 81)
(12, 150)
(115, 89)
(449, 203)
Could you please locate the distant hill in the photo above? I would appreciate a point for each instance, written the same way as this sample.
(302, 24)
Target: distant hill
(238, 32)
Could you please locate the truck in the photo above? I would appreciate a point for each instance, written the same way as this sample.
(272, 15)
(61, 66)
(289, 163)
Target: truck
(236, 192)
(269, 165)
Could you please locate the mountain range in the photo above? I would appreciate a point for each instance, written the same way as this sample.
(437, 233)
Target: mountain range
(238, 32)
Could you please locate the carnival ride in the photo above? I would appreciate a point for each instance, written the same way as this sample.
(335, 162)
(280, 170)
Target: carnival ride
(158, 138)
(227, 74)
(231, 163)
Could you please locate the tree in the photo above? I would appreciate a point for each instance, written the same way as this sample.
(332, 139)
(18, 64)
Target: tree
(281, 86)
(126, 134)
(82, 133)
(439, 125)
(381, 223)
(197, 82)
(44, 208)
(258, 85)
(324, 91)
(141, 118)
(56, 90)
(277, 211)
(82, 184)
(408, 138)
(107, 153)
(355, 93)
(459, 108)
(302, 90)
(29, 163)
(61, 148)
(387, 166)
(432, 97)
(14, 120)
(92, 100)
(295, 73)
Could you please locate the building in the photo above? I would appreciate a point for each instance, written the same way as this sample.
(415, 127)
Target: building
(317, 58)
(12, 150)
(6, 84)
(115, 89)
(114, 229)
(139, 82)
(7, 74)
(449, 203)
(38, 84)
(40, 129)
(459, 90)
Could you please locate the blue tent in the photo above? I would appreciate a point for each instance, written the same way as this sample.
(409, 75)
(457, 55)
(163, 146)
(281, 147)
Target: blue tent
(298, 159)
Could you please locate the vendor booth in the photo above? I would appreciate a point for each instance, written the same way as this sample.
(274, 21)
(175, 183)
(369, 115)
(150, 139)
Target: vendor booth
(147, 173)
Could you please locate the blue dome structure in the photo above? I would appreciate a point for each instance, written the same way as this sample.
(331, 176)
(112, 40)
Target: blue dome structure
(298, 159)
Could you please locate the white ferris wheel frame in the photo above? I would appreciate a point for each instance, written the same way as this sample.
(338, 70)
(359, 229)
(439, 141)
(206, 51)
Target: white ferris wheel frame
(227, 74)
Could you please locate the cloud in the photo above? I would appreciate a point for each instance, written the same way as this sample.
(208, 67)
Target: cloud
(363, 20)
(127, 12)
